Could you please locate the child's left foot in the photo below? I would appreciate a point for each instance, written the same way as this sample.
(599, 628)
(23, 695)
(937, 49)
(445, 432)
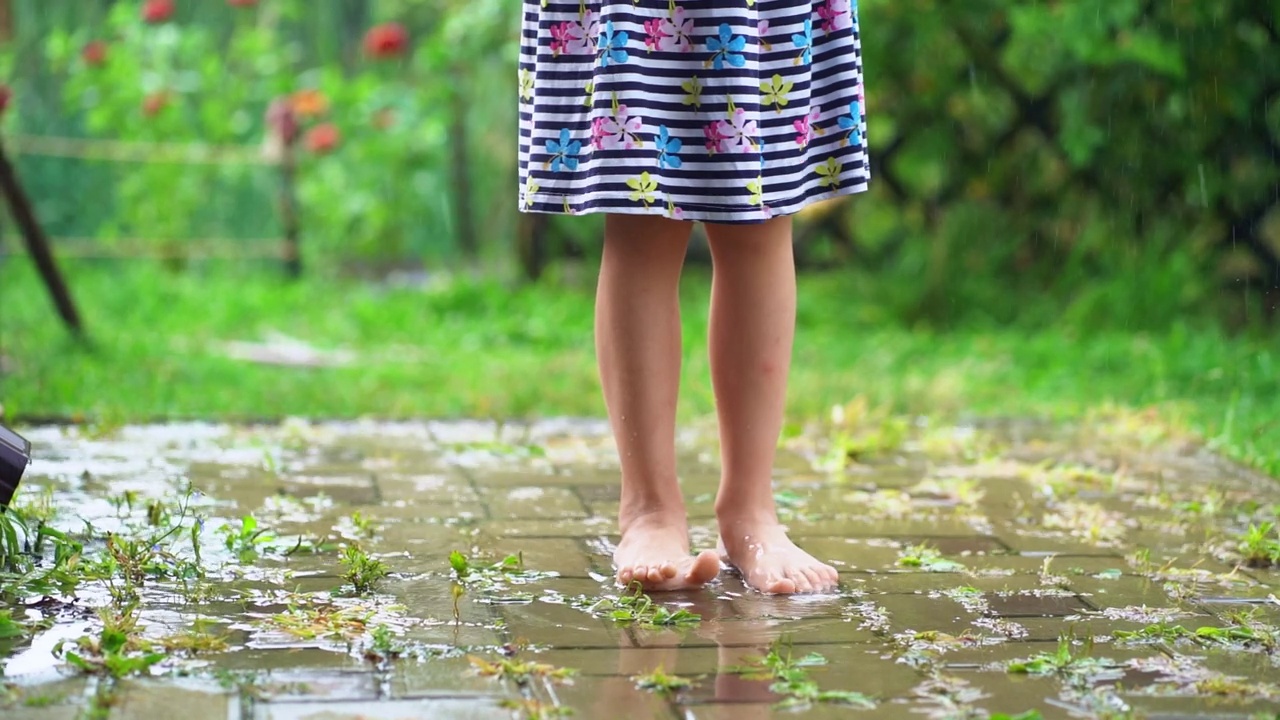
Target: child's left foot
(769, 562)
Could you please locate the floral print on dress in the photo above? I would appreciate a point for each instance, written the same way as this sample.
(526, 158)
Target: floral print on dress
(713, 110)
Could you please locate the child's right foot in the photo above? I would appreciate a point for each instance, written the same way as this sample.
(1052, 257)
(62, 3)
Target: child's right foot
(654, 551)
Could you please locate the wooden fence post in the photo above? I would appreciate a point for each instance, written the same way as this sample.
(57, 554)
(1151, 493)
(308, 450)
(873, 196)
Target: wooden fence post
(37, 243)
(283, 122)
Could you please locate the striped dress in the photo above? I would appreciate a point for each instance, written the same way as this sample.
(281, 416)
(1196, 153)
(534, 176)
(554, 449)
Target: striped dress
(724, 111)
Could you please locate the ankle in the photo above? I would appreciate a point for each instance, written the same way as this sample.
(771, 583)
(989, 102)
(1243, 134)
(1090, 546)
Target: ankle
(737, 514)
(651, 512)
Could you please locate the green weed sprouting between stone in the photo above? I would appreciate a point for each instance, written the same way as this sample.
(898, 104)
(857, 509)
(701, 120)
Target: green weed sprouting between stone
(791, 679)
(1241, 634)
(1260, 546)
(661, 683)
(247, 540)
(117, 651)
(635, 607)
(520, 672)
(926, 557)
(1064, 661)
(363, 571)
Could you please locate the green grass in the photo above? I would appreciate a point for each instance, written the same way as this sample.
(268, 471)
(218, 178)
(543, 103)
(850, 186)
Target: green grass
(485, 350)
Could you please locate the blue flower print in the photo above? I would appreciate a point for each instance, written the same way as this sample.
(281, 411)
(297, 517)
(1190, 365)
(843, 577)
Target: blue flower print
(804, 41)
(727, 48)
(613, 45)
(853, 123)
(564, 154)
(668, 149)
(760, 149)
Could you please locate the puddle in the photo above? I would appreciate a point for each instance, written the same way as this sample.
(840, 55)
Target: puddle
(309, 570)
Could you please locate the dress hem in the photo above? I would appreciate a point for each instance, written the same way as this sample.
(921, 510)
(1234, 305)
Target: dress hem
(554, 204)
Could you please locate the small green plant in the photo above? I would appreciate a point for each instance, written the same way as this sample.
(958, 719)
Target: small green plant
(1028, 715)
(661, 683)
(520, 672)
(248, 539)
(637, 608)
(117, 651)
(383, 645)
(363, 571)
(791, 679)
(321, 621)
(926, 557)
(1064, 661)
(1260, 546)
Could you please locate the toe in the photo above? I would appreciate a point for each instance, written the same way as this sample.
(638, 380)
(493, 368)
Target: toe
(817, 580)
(624, 576)
(640, 574)
(668, 571)
(781, 586)
(656, 575)
(801, 580)
(704, 568)
(831, 574)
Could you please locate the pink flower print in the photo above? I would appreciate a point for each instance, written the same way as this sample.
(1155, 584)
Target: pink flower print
(715, 139)
(836, 15)
(620, 131)
(739, 129)
(679, 32)
(599, 132)
(762, 33)
(581, 37)
(561, 36)
(766, 211)
(657, 33)
(806, 126)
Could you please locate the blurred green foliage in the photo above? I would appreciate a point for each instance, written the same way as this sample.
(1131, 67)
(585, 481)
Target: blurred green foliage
(1099, 163)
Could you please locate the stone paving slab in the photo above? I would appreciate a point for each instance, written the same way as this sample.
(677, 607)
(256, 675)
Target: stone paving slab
(962, 554)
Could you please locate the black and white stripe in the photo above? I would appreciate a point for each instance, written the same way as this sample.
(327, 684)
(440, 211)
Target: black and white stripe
(575, 79)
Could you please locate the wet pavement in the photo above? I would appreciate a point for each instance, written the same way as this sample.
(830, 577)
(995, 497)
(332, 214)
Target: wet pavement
(461, 570)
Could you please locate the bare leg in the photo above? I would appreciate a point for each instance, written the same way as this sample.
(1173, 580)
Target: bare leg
(753, 306)
(638, 349)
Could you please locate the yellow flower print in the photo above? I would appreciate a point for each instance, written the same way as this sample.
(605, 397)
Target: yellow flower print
(776, 92)
(643, 187)
(830, 173)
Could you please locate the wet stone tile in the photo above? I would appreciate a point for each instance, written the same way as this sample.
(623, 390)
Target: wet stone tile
(848, 554)
(611, 697)
(558, 625)
(1026, 605)
(281, 685)
(436, 709)
(43, 712)
(686, 661)
(585, 527)
(1000, 692)
(919, 613)
(533, 501)
(1122, 592)
(1201, 708)
(145, 699)
(447, 676)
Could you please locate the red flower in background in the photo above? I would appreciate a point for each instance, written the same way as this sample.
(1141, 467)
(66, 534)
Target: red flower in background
(5, 95)
(157, 11)
(323, 138)
(94, 53)
(386, 40)
(154, 103)
(242, 3)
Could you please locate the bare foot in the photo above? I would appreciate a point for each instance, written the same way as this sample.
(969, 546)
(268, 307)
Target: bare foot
(769, 561)
(654, 552)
